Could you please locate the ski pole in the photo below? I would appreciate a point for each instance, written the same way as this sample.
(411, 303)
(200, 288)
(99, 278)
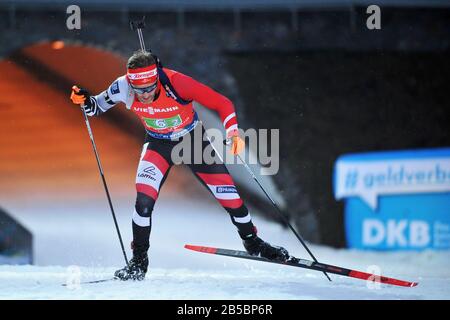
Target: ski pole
(285, 220)
(91, 136)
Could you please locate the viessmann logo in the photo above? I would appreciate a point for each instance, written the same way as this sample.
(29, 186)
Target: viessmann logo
(152, 110)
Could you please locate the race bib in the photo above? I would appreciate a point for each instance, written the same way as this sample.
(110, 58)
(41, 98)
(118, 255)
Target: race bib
(160, 124)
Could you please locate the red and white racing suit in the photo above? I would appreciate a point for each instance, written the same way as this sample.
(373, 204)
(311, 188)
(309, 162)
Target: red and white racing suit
(165, 119)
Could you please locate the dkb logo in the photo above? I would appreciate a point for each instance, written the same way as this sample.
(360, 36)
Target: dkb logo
(396, 233)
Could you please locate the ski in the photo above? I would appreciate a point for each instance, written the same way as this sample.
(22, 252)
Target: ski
(92, 281)
(307, 264)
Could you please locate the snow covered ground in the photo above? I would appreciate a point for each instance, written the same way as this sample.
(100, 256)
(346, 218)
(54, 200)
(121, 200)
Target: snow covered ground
(78, 241)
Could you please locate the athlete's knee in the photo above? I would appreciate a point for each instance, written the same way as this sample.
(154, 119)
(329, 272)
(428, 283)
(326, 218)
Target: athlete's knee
(144, 205)
(239, 214)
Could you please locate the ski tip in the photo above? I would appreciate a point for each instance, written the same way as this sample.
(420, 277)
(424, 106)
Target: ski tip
(400, 283)
(201, 248)
(403, 283)
(381, 279)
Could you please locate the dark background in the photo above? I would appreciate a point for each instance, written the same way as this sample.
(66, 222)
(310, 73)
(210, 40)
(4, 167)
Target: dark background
(315, 72)
(331, 102)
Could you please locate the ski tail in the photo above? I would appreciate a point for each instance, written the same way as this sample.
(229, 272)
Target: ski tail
(307, 264)
(90, 282)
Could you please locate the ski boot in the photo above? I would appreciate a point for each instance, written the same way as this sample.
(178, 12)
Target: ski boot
(136, 269)
(257, 247)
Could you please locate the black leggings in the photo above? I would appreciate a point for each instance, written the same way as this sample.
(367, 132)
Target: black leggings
(153, 170)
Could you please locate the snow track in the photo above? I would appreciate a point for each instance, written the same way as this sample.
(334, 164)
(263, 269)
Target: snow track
(78, 243)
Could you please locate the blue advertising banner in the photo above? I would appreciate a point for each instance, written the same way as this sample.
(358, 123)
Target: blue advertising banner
(395, 200)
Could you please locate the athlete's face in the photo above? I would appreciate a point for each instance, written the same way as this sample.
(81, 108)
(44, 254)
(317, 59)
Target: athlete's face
(146, 92)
